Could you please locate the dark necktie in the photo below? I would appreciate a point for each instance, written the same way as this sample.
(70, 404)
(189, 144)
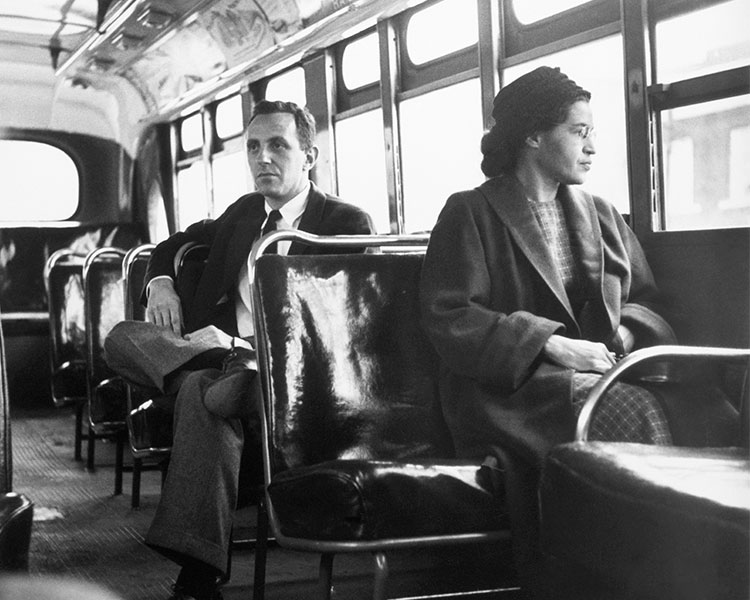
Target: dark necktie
(270, 226)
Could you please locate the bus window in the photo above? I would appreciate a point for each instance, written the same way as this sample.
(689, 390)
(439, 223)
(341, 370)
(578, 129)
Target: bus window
(53, 197)
(718, 40)
(191, 132)
(361, 62)
(230, 179)
(531, 11)
(426, 35)
(706, 153)
(229, 117)
(704, 125)
(440, 136)
(360, 157)
(191, 191)
(590, 66)
(288, 86)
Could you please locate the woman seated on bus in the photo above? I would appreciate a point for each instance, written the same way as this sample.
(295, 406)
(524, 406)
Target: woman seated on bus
(531, 289)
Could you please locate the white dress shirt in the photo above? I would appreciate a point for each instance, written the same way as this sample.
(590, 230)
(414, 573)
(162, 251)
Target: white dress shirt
(291, 215)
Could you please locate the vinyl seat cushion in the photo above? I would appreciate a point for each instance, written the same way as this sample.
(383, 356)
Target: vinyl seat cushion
(369, 500)
(647, 521)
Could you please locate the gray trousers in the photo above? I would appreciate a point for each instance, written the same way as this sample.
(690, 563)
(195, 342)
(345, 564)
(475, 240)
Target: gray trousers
(144, 353)
(196, 509)
(197, 504)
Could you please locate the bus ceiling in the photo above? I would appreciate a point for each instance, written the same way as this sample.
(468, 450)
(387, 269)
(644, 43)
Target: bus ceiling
(130, 62)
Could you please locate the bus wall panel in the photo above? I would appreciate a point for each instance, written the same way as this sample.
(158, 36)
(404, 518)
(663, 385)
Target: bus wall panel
(705, 278)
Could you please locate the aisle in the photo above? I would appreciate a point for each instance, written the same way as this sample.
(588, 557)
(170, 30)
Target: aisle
(82, 530)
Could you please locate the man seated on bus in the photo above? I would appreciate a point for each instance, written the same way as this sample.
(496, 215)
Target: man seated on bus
(213, 420)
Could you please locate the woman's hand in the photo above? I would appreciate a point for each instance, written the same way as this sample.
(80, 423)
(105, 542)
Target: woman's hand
(211, 336)
(580, 355)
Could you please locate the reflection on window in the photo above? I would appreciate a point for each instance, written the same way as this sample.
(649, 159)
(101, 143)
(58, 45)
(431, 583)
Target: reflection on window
(441, 29)
(289, 87)
(229, 117)
(191, 133)
(230, 180)
(25, 197)
(192, 203)
(440, 136)
(718, 40)
(590, 66)
(360, 63)
(706, 153)
(360, 165)
(530, 11)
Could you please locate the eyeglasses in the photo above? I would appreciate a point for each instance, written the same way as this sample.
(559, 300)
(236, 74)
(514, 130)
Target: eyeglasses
(583, 131)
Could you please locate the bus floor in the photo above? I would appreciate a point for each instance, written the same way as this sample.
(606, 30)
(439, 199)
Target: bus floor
(82, 530)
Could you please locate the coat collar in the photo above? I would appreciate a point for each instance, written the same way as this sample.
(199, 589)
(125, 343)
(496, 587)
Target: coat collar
(311, 218)
(245, 229)
(506, 197)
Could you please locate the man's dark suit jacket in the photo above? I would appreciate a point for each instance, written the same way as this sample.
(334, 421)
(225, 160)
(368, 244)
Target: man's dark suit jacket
(230, 238)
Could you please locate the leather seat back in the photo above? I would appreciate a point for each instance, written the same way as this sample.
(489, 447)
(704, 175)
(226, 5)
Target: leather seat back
(104, 308)
(359, 376)
(134, 268)
(63, 279)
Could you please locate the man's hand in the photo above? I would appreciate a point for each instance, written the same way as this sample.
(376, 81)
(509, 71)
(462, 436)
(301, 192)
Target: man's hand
(211, 336)
(164, 306)
(580, 355)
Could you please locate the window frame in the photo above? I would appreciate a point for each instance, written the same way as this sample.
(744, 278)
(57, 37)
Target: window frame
(10, 136)
(660, 97)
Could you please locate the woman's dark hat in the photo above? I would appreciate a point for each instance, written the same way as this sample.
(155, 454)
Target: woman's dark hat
(530, 103)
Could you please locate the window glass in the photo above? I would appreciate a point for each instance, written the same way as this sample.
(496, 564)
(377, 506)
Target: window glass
(289, 87)
(158, 225)
(229, 117)
(706, 153)
(230, 180)
(441, 29)
(360, 63)
(530, 11)
(192, 205)
(53, 197)
(191, 132)
(590, 66)
(718, 40)
(360, 158)
(440, 136)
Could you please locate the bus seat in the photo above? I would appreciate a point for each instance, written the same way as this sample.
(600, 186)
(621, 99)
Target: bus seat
(622, 520)
(63, 281)
(357, 456)
(150, 435)
(16, 510)
(104, 307)
(134, 274)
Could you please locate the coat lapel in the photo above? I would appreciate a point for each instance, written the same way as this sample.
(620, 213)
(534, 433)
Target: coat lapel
(507, 199)
(231, 247)
(598, 317)
(311, 218)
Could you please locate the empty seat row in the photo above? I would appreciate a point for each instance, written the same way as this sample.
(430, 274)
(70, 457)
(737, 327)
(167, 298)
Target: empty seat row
(88, 295)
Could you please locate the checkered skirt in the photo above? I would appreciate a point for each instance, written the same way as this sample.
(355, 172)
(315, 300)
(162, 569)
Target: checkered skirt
(627, 413)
